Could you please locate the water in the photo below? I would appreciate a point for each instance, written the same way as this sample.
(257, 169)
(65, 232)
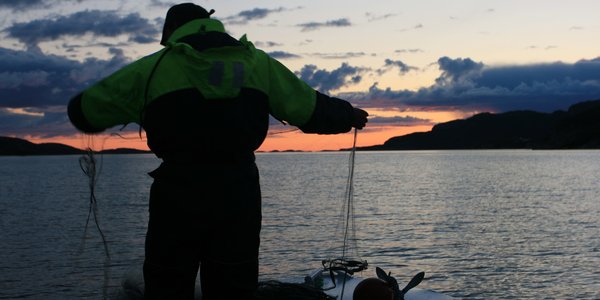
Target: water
(482, 224)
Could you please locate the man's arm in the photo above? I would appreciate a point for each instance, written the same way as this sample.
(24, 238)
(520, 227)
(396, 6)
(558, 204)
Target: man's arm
(332, 115)
(294, 101)
(78, 119)
(114, 100)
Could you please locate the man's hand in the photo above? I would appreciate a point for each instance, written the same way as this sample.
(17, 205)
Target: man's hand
(359, 118)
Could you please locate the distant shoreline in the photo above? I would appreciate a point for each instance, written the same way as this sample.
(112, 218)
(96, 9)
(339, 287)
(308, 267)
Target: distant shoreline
(10, 146)
(576, 128)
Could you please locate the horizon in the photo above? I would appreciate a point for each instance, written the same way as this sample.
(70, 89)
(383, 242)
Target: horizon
(408, 65)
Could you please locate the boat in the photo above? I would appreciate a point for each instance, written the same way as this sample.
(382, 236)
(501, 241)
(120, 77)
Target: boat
(342, 285)
(337, 284)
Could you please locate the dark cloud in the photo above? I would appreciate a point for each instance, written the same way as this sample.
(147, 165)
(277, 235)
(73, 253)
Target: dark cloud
(257, 13)
(390, 64)
(399, 121)
(32, 79)
(466, 84)
(454, 70)
(318, 25)
(267, 44)
(96, 22)
(20, 5)
(246, 16)
(326, 81)
(158, 3)
(24, 122)
(15, 121)
(35, 88)
(283, 55)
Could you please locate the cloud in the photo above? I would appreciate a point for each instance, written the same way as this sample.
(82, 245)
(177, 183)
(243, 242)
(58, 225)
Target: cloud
(25, 122)
(345, 55)
(305, 42)
(318, 25)
(414, 50)
(16, 122)
(246, 16)
(549, 47)
(19, 5)
(326, 81)
(399, 121)
(267, 44)
(454, 70)
(35, 88)
(466, 84)
(416, 27)
(12, 80)
(158, 3)
(283, 55)
(257, 13)
(96, 22)
(33, 79)
(390, 64)
(371, 17)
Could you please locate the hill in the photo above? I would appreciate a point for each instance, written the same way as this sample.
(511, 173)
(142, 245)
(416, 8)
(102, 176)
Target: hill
(16, 146)
(576, 128)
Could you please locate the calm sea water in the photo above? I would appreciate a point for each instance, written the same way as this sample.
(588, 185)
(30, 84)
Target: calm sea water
(481, 224)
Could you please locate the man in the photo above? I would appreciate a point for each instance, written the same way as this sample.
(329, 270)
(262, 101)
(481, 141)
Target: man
(204, 102)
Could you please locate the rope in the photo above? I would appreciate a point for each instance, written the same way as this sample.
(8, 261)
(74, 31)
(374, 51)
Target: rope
(349, 266)
(88, 163)
(350, 199)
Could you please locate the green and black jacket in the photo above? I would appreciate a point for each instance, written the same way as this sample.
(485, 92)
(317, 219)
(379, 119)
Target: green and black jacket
(206, 93)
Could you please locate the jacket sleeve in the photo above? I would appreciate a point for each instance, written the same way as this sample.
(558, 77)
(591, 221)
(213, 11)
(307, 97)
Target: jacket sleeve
(115, 100)
(330, 116)
(78, 119)
(294, 101)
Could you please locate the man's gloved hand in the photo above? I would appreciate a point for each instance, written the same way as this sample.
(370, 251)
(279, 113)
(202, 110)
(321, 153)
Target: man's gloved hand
(359, 118)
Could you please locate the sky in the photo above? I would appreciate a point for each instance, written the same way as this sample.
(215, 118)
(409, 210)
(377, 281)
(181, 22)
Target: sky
(411, 64)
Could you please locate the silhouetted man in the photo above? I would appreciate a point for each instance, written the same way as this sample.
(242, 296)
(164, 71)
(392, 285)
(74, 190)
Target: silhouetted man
(204, 102)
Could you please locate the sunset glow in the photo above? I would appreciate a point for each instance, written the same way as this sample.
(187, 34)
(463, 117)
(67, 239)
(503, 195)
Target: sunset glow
(411, 64)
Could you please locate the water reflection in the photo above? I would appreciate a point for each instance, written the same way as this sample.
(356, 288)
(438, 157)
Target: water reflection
(481, 224)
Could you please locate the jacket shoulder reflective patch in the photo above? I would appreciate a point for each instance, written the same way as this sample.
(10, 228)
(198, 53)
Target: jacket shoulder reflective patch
(238, 75)
(216, 74)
